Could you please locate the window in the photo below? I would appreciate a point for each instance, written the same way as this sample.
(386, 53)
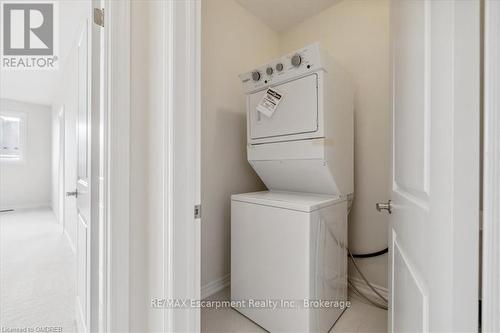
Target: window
(12, 127)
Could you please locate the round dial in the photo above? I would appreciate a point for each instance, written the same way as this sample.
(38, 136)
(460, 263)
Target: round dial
(279, 67)
(296, 60)
(269, 71)
(256, 76)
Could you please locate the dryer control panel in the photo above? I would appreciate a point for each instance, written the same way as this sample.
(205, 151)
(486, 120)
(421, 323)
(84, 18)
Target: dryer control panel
(290, 66)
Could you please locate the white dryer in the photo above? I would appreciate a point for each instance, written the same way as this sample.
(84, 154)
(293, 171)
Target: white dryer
(289, 244)
(307, 144)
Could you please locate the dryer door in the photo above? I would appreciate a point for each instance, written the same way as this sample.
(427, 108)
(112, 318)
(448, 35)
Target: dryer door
(297, 113)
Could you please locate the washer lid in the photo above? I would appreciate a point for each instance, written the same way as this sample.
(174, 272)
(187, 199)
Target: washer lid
(304, 202)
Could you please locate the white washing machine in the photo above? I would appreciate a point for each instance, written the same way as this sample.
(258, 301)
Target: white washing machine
(289, 244)
(289, 248)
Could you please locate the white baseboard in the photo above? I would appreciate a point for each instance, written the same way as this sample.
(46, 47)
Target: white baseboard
(362, 286)
(215, 286)
(27, 206)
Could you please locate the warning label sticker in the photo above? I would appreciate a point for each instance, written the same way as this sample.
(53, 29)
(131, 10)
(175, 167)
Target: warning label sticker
(269, 102)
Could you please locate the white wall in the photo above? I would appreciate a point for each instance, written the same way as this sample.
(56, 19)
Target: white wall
(27, 184)
(356, 34)
(234, 41)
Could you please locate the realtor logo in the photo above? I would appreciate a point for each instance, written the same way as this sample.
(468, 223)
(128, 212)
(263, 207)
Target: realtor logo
(29, 36)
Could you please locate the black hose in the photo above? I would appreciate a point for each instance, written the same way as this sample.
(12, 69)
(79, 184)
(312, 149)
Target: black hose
(373, 254)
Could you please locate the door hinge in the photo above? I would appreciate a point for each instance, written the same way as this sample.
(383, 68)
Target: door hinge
(197, 211)
(99, 16)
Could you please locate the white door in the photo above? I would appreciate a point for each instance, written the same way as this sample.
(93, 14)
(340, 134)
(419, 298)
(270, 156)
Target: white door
(434, 225)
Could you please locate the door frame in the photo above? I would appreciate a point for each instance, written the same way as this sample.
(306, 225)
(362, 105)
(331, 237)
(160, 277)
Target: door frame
(181, 161)
(179, 155)
(110, 158)
(491, 170)
(114, 153)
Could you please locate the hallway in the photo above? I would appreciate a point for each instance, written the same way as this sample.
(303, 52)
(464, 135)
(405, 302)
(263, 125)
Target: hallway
(37, 272)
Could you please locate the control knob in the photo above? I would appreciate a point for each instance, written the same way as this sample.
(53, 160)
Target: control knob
(256, 76)
(296, 60)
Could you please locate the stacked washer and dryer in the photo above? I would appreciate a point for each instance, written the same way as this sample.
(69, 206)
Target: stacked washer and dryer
(289, 244)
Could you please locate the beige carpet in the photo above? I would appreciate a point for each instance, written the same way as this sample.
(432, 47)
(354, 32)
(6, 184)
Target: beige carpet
(37, 273)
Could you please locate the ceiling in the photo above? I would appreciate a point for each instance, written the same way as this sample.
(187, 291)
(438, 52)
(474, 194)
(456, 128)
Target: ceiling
(283, 14)
(40, 86)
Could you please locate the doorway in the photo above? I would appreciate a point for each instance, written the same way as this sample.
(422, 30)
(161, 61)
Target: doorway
(44, 257)
(358, 45)
(393, 111)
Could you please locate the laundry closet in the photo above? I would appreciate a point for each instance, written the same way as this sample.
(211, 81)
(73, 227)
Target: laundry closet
(325, 65)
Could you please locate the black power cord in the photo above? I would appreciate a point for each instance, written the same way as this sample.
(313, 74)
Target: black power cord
(371, 255)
